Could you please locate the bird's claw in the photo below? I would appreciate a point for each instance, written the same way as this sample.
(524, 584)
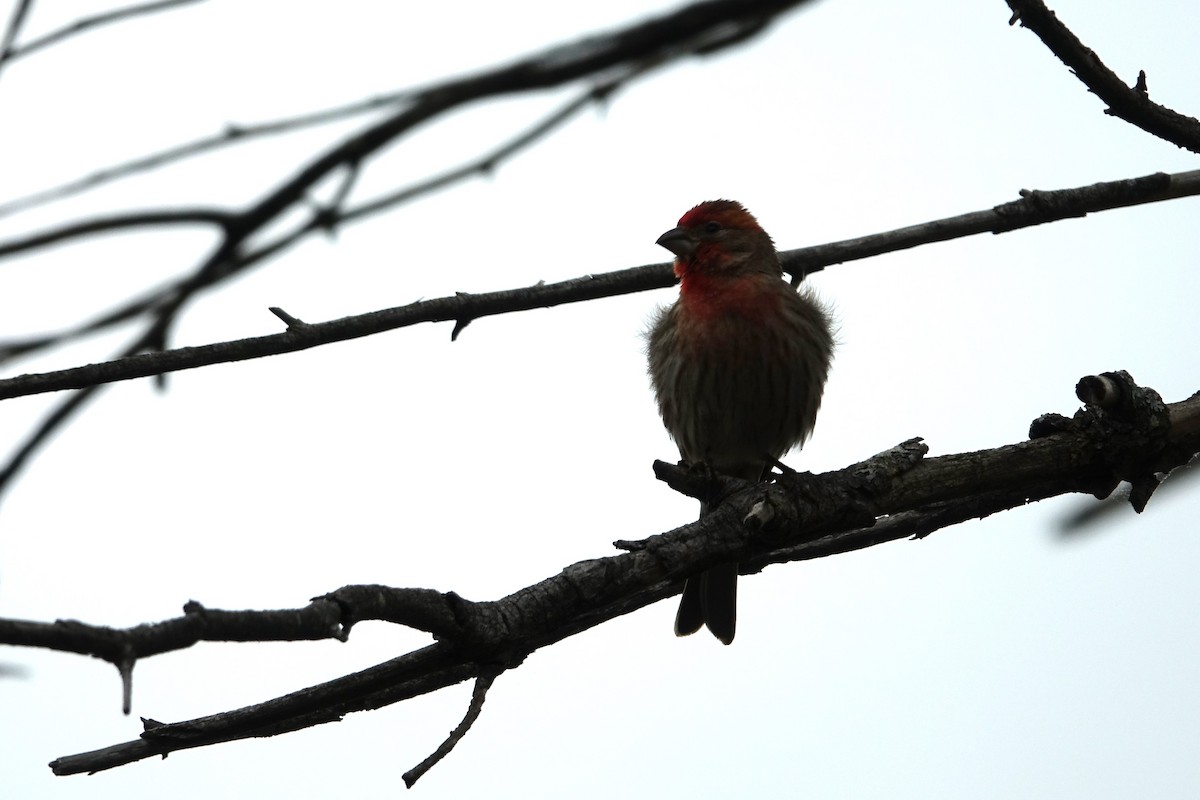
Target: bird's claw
(779, 465)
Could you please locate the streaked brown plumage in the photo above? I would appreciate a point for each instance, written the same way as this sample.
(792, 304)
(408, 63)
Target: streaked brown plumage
(738, 364)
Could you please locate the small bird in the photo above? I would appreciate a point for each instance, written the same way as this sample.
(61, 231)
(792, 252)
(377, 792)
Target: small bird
(738, 365)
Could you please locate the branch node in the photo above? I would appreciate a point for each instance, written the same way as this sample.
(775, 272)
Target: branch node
(1140, 87)
(1103, 391)
(1131, 423)
(761, 516)
(1048, 425)
(194, 607)
(294, 325)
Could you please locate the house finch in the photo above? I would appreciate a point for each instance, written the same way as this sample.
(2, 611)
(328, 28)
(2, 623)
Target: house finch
(738, 364)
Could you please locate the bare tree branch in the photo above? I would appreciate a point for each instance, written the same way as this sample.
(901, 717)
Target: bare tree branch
(1131, 104)
(330, 217)
(232, 134)
(113, 223)
(483, 682)
(487, 164)
(895, 494)
(1085, 518)
(408, 676)
(1035, 208)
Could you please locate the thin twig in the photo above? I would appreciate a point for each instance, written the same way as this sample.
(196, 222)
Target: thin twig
(231, 135)
(482, 684)
(61, 413)
(487, 164)
(85, 24)
(15, 23)
(113, 223)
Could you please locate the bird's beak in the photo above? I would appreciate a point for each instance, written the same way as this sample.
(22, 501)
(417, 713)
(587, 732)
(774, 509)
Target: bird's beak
(679, 241)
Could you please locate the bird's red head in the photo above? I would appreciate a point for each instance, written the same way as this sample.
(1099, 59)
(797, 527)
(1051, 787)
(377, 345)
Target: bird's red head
(727, 213)
(719, 237)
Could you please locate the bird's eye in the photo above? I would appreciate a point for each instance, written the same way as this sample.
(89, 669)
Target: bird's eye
(712, 227)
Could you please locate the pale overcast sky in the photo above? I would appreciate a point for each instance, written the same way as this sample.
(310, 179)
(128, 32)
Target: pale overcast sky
(990, 660)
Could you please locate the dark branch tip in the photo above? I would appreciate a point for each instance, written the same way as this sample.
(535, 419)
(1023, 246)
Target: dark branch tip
(1140, 86)
(459, 324)
(125, 669)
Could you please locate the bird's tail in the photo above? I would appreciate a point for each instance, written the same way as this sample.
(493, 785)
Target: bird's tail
(709, 598)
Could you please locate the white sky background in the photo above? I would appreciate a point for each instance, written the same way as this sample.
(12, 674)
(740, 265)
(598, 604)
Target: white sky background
(991, 660)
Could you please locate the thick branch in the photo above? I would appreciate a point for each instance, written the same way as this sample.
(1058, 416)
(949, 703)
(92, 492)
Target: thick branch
(1131, 104)
(895, 494)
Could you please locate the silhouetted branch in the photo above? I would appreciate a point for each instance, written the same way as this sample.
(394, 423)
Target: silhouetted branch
(483, 682)
(85, 24)
(588, 287)
(702, 27)
(1086, 518)
(232, 134)
(113, 223)
(1130, 103)
(1035, 208)
(487, 164)
(15, 23)
(895, 494)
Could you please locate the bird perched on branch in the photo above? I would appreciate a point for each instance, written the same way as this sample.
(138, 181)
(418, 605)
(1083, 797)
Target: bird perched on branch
(738, 364)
